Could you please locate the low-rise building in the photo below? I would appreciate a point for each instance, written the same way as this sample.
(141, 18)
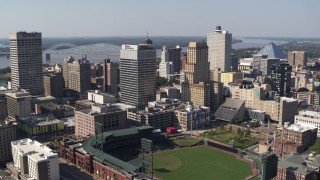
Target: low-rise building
(33, 160)
(295, 139)
(18, 103)
(309, 118)
(312, 98)
(228, 77)
(100, 97)
(190, 118)
(40, 124)
(110, 117)
(231, 109)
(298, 166)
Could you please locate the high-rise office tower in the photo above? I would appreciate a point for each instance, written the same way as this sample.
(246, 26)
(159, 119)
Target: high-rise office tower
(197, 67)
(111, 79)
(166, 66)
(76, 74)
(281, 79)
(137, 74)
(53, 85)
(26, 61)
(219, 49)
(174, 55)
(196, 87)
(296, 58)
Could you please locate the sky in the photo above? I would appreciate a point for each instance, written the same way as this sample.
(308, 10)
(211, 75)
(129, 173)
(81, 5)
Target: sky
(97, 18)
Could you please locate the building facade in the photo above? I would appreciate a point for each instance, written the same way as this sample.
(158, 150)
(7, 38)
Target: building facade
(219, 49)
(53, 85)
(228, 77)
(309, 118)
(8, 133)
(76, 75)
(281, 79)
(137, 74)
(107, 117)
(32, 159)
(111, 76)
(18, 103)
(196, 87)
(295, 139)
(39, 124)
(296, 58)
(26, 61)
(312, 98)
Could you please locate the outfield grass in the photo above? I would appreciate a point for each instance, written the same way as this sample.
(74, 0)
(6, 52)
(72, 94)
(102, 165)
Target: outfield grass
(184, 142)
(199, 163)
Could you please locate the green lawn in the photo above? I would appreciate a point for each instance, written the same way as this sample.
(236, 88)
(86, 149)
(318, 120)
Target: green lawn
(199, 163)
(184, 142)
(225, 136)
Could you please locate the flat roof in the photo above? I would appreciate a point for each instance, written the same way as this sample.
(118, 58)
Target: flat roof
(301, 127)
(33, 149)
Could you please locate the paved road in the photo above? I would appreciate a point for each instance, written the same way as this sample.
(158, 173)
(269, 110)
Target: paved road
(71, 172)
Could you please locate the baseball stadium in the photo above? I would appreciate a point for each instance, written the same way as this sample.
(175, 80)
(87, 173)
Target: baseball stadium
(145, 153)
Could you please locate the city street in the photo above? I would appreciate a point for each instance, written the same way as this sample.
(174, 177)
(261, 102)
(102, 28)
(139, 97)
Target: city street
(70, 171)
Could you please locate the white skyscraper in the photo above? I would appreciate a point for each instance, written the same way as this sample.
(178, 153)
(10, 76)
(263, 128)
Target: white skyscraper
(26, 61)
(166, 66)
(219, 50)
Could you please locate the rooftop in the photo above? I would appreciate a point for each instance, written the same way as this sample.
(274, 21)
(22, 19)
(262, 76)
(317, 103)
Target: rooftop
(33, 149)
(38, 120)
(301, 127)
(309, 113)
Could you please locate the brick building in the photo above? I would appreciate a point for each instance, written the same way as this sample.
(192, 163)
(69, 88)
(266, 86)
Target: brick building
(110, 116)
(296, 139)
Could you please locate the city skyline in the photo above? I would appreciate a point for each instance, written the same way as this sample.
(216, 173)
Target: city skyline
(128, 18)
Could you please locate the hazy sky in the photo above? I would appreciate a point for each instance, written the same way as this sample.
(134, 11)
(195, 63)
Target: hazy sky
(64, 18)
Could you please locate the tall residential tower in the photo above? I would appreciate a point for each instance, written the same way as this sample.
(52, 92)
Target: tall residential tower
(26, 61)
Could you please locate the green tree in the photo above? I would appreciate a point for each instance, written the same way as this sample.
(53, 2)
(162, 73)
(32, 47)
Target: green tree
(303, 89)
(161, 81)
(317, 88)
(316, 147)
(247, 133)
(239, 131)
(267, 81)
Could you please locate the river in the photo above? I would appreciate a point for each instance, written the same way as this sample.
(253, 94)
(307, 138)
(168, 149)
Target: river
(99, 52)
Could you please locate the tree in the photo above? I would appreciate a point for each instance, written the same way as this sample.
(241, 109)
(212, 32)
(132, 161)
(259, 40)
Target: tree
(247, 133)
(239, 131)
(303, 89)
(161, 81)
(316, 147)
(267, 81)
(317, 88)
